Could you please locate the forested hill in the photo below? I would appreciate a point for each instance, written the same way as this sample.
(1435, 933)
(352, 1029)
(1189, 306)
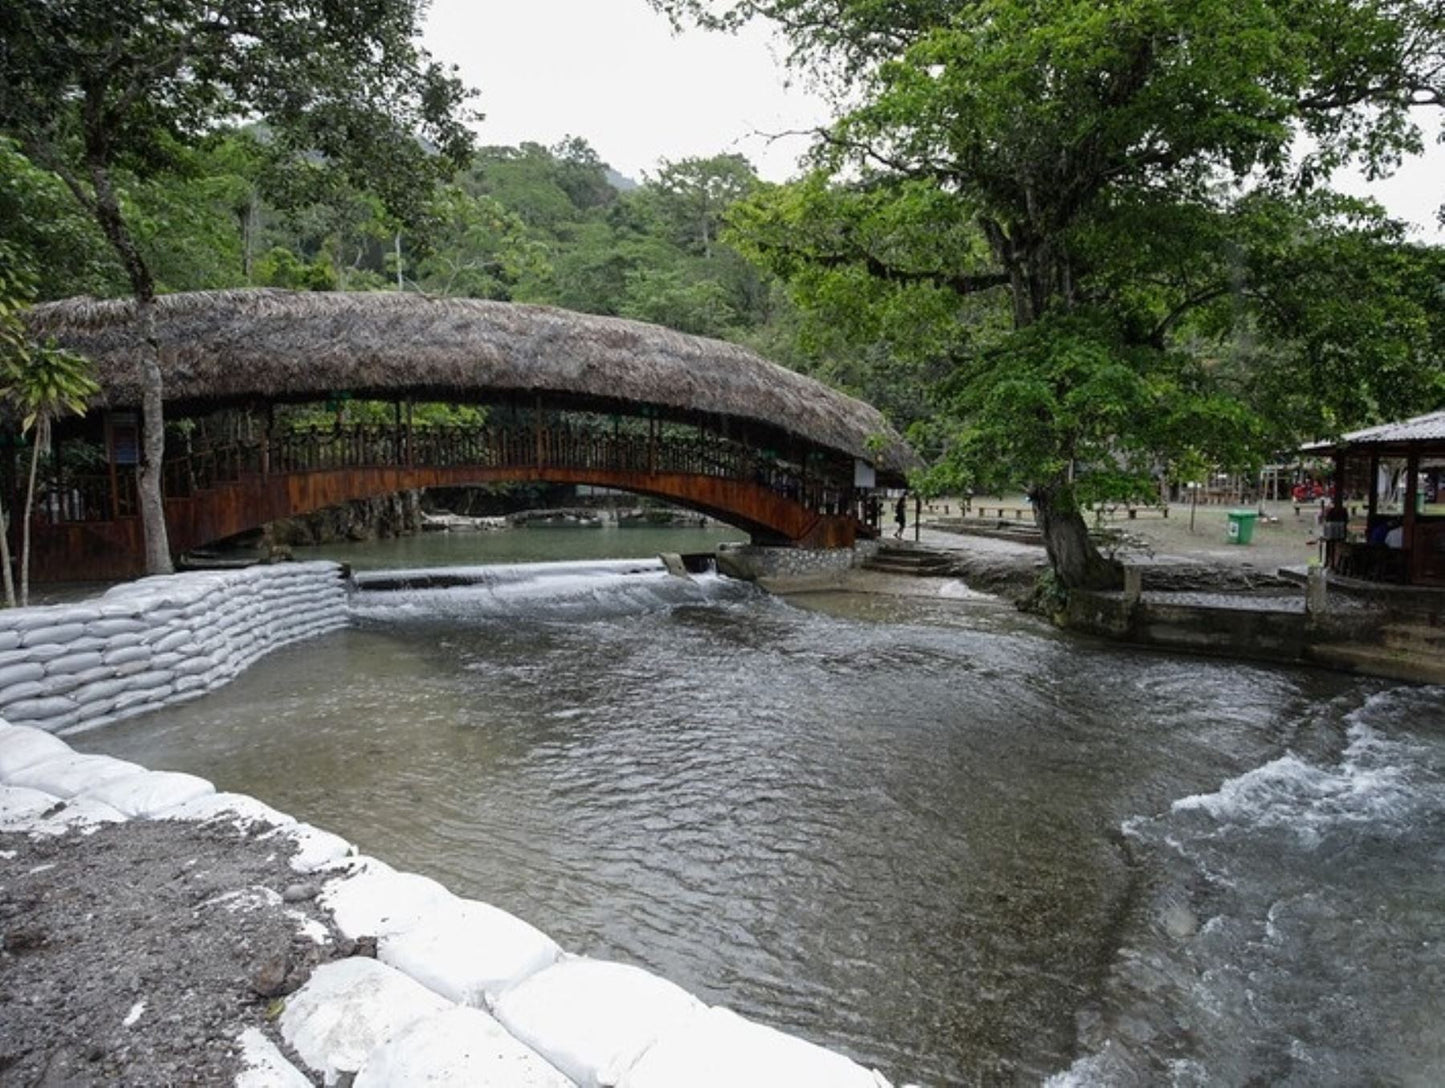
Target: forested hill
(525, 224)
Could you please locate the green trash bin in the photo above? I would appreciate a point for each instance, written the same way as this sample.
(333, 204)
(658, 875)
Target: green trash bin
(1241, 526)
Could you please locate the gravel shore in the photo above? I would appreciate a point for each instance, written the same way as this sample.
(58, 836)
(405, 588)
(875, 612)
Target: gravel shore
(137, 953)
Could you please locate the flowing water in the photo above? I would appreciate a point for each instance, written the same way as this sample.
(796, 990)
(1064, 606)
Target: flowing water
(932, 834)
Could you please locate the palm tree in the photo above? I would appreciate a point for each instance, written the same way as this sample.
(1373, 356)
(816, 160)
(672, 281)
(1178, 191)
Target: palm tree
(42, 382)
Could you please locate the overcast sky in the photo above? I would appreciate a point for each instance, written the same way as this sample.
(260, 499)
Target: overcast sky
(613, 72)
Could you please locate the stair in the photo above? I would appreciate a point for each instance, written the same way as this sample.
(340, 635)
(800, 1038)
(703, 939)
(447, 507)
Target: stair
(911, 560)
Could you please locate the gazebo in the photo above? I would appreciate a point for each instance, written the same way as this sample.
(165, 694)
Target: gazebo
(1387, 523)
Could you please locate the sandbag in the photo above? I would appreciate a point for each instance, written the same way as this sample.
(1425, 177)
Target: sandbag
(74, 662)
(24, 746)
(457, 1046)
(264, 1066)
(76, 814)
(382, 903)
(19, 671)
(315, 849)
(719, 1049)
(56, 633)
(593, 1019)
(48, 709)
(236, 808)
(149, 792)
(469, 952)
(72, 773)
(350, 1007)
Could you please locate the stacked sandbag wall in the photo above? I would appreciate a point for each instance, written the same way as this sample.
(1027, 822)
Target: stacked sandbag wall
(157, 641)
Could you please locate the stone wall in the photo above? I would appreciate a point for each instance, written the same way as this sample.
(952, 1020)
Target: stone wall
(377, 518)
(157, 641)
(1373, 640)
(791, 568)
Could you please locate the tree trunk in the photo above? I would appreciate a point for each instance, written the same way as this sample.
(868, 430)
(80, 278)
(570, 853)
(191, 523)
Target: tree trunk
(5, 559)
(153, 448)
(106, 208)
(40, 441)
(1072, 554)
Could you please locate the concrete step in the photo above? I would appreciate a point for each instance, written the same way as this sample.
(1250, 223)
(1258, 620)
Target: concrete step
(913, 560)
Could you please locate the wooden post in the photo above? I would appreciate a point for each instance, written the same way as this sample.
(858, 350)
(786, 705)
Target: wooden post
(267, 438)
(1412, 491)
(1374, 484)
(537, 427)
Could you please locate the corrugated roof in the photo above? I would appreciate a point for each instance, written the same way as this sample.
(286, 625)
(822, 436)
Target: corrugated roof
(1427, 428)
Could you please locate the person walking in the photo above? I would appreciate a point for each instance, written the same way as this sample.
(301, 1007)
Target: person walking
(900, 516)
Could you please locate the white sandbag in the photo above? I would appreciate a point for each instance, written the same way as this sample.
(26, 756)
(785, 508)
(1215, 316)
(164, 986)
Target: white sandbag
(237, 808)
(72, 773)
(24, 745)
(148, 792)
(25, 689)
(135, 701)
(176, 639)
(21, 805)
(457, 1046)
(126, 655)
(192, 666)
(469, 951)
(593, 1019)
(61, 685)
(48, 710)
(315, 848)
(46, 651)
(107, 627)
(56, 633)
(150, 678)
(102, 691)
(264, 1066)
(73, 663)
(18, 671)
(719, 1049)
(381, 903)
(9, 640)
(350, 1007)
(76, 814)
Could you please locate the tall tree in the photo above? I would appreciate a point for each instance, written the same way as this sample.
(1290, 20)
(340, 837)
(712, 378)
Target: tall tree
(692, 196)
(38, 382)
(87, 90)
(1084, 144)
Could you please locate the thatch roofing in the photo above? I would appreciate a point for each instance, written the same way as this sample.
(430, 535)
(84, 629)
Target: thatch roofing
(230, 346)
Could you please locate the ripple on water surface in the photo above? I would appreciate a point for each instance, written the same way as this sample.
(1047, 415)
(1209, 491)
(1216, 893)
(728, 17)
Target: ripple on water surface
(892, 827)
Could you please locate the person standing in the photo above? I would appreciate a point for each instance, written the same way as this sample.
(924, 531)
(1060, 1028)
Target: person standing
(900, 516)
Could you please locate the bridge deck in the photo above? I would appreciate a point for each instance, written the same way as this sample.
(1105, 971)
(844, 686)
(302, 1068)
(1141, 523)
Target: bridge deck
(87, 528)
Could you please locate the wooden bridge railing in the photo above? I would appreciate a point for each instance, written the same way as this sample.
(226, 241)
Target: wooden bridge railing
(104, 497)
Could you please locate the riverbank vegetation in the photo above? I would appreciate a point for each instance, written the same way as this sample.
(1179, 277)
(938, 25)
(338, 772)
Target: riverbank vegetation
(1080, 249)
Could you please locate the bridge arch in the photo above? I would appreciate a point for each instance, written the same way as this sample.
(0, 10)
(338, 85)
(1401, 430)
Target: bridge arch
(726, 431)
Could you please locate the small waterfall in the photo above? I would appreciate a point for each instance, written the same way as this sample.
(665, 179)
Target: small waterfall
(582, 589)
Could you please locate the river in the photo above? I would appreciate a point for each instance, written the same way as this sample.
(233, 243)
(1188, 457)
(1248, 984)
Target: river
(933, 834)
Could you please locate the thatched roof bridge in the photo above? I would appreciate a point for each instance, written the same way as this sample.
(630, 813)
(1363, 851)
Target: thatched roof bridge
(760, 434)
